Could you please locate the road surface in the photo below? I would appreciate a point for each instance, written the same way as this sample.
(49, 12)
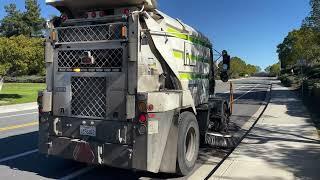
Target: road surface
(19, 158)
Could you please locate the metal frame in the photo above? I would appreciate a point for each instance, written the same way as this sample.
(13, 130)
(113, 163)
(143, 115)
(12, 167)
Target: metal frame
(63, 79)
(80, 32)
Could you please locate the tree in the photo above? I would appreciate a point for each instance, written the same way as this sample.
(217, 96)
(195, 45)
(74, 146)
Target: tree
(20, 55)
(273, 70)
(258, 68)
(251, 69)
(239, 68)
(300, 44)
(33, 18)
(313, 21)
(26, 23)
(13, 23)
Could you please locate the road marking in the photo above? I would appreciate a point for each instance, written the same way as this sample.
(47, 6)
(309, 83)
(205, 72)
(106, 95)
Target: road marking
(19, 126)
(77, 173)
(2, 117)
(246, 92)
(18, 155)
(237, 88)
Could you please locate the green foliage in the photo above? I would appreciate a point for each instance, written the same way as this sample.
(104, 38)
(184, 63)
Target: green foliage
(32, 17)
(251, 69)
(26, 23)
(20, 55)
(25, 79)
(313, 21)
(273, 70)
(239, 68)
(288, 80)
(302, 44)
(258, 69)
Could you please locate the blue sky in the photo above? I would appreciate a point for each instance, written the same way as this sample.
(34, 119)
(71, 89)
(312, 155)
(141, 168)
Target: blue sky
(249, 29)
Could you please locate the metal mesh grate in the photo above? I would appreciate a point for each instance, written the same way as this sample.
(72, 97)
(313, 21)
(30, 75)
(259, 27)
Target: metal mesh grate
(103, 58)
(88, 96)
(104, 32)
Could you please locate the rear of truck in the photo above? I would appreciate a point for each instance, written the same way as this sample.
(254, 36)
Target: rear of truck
(88, 112)
(127, 86)
(102, 104)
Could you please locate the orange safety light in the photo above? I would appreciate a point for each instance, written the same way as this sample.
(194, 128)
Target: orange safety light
(53, 36)
(124, 32)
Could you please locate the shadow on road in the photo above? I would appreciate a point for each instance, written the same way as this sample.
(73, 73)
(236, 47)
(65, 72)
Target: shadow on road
(35, 163)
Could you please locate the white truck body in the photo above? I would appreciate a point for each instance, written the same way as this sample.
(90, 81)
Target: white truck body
(104, 72)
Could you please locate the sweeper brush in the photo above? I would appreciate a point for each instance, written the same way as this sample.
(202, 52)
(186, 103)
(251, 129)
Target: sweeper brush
(219, 140)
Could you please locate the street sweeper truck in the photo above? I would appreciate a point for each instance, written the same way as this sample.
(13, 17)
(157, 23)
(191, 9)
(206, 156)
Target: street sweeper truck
(128, 87)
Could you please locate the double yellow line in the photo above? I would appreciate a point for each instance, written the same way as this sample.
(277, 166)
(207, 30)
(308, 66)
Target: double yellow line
(19, 126)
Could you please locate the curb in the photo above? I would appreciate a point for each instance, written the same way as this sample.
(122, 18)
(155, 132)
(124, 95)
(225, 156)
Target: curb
(245, 130)
(18, 107)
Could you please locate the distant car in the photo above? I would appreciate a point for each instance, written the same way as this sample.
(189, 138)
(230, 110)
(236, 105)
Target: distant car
(247, 75)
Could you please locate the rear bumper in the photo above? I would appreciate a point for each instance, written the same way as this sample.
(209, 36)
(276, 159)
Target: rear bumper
(114, 155)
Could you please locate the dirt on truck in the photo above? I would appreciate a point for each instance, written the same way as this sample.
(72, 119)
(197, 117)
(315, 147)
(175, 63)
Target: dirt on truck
(129, 87)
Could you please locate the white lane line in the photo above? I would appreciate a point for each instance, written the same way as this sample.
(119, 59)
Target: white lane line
(77, 173)
(16, 115)
(247, 92)
(18, 155)
(237, 88)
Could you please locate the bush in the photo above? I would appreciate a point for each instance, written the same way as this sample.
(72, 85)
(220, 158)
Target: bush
(316, 91)
(25, 79)
(20, 55)
(288, 80)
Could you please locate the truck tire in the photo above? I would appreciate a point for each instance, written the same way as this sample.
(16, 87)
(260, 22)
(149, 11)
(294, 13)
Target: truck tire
(188, 143)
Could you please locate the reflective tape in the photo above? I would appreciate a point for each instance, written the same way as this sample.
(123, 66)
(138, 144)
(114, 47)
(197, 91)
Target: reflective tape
(180, 55)
(184, 36)
(193, 76)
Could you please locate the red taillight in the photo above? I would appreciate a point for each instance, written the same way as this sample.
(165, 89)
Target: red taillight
(93, 14)
(126, 11)
(102, 13)
(64, 17)
(143, 118)
(150, 107)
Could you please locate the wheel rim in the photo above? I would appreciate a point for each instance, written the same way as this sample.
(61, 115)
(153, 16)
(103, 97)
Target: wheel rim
(190, 145)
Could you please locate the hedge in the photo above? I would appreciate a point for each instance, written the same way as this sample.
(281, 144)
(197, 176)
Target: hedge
(25, 79)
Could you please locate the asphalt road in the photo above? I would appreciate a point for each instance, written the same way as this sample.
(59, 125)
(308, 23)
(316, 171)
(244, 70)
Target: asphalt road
(19, 158)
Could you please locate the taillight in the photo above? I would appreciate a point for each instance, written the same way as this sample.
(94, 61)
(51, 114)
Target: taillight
(124, 32)
(93, 14)
(142, 107)
(150, 107)
(126, 11)
(102, 13)
(64, 17)
(143, 118)
(53, 36)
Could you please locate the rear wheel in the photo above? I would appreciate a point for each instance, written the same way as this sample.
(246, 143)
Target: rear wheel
(188, 143)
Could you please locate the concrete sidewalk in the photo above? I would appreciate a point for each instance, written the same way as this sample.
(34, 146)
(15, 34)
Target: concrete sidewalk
(18, 107)
(284, 144)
